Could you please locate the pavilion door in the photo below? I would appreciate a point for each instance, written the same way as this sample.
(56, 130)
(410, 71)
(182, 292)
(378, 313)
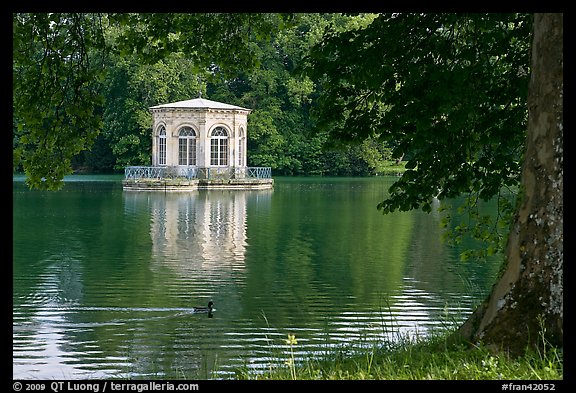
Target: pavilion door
(186, 150)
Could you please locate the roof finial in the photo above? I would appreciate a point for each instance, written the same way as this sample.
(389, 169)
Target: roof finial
(199, 86)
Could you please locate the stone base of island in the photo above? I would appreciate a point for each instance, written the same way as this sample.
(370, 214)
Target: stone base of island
(196, 184)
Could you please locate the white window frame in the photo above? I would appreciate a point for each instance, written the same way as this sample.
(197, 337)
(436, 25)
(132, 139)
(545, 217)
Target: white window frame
(219, 147)
(162, 146)
(187, 147)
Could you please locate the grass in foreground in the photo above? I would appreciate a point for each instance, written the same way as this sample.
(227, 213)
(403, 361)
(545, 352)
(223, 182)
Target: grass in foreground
(429, 359)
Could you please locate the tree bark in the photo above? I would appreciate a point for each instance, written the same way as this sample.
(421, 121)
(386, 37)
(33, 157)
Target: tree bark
(525, 307)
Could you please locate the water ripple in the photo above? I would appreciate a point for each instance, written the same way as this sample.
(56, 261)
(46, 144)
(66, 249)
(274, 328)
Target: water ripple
(105, 284)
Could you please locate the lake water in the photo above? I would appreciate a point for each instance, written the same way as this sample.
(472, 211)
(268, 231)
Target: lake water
(105, 281)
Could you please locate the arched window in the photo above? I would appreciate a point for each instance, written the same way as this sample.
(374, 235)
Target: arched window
(162, 146)
(241, 143)
(187, 146)
(219, 147)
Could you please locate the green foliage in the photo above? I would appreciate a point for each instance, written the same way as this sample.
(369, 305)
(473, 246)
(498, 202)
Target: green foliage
(56, 97)
(265, 143)
(222, 41)
(141, 60)
(61, 60)
(449, 90)
(280, 128)
(460, 84)
(488, 232)
(375, 153)
(132, 89)
(428, 358)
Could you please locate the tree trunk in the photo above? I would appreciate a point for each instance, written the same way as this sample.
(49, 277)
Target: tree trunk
(525, 307)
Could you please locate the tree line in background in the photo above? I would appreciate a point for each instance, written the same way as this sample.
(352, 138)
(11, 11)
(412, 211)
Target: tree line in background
(282, 134)
(83, 84)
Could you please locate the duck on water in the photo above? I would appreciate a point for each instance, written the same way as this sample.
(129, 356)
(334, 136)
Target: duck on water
(208, 309)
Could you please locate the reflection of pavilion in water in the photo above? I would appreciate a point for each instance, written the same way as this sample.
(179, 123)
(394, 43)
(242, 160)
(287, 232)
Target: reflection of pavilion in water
(201, 227)
(202, 231)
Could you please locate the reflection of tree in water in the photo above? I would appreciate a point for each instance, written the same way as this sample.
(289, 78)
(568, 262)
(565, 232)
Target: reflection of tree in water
(322, 249)
(436, 268)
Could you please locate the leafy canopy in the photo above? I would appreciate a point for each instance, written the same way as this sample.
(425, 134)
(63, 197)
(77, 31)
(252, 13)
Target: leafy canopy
(447, 90)
(56, 100)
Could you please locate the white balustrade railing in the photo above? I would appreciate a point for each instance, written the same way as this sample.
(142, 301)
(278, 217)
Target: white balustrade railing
(259, 172)
(191, 172)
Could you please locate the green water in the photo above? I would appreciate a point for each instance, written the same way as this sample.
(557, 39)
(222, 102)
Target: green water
(105, 281)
